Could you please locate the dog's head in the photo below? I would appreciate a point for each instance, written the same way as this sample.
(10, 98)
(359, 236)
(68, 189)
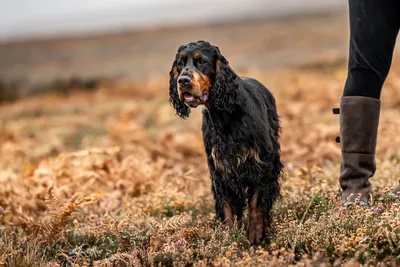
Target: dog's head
(200, 75)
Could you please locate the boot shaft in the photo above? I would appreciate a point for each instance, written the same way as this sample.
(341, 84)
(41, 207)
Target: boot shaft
(359, 120)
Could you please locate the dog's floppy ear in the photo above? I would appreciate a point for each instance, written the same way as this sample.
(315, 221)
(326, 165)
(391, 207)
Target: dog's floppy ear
(224, 90)
(181, 109)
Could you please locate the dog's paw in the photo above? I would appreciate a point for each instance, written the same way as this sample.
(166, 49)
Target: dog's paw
(256, 230)
(256, 236)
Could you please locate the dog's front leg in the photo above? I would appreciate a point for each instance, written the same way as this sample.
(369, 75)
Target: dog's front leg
(256, 227)
(225, 213)
(229, 204)
(223, 207)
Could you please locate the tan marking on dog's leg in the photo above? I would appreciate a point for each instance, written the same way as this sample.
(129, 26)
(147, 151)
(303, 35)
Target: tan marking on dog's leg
(256, 230)
(229, 218)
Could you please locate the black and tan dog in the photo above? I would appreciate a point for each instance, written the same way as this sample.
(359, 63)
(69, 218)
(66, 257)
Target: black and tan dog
(240, 132)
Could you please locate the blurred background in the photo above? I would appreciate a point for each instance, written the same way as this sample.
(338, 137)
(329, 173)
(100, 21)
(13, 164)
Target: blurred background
(47, 43)
(22, 18)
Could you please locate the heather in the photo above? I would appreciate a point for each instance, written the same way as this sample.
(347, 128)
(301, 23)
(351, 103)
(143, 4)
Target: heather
(112, 177)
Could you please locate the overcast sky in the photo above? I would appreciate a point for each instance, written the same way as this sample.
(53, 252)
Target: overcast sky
(19, 18)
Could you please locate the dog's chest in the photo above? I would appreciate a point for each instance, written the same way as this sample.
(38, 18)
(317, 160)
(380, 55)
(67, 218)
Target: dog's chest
(229, 151)
(228, 161)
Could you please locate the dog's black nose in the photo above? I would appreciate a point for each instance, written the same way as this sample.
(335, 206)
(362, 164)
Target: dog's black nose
(184, 80)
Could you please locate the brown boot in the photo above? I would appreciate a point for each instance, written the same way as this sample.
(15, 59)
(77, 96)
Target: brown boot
(359, 119)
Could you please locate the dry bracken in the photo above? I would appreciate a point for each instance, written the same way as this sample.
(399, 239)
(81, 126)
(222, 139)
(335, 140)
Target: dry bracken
(123, 182)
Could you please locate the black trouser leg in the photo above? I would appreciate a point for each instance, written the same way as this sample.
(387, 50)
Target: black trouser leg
(374, 25)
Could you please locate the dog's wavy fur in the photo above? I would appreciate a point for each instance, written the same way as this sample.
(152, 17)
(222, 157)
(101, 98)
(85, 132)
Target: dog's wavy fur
(241, 130)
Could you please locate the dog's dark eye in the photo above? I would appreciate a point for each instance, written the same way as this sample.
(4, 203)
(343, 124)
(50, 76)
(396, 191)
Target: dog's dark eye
(181, 63)
(201, 61)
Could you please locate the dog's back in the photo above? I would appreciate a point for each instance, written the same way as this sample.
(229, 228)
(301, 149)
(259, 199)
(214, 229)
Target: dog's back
(252, 83)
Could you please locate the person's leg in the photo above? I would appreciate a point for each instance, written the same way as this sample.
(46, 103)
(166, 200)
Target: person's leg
(374, 26)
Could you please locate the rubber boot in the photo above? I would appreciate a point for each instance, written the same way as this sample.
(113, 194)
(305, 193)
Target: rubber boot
(359, 120)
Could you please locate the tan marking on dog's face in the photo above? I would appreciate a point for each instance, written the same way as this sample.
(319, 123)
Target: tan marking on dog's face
(196, 56)
(200, 84)
(256, 228)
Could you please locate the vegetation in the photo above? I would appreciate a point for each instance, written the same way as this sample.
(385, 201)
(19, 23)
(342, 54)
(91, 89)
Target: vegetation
(112, 178)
